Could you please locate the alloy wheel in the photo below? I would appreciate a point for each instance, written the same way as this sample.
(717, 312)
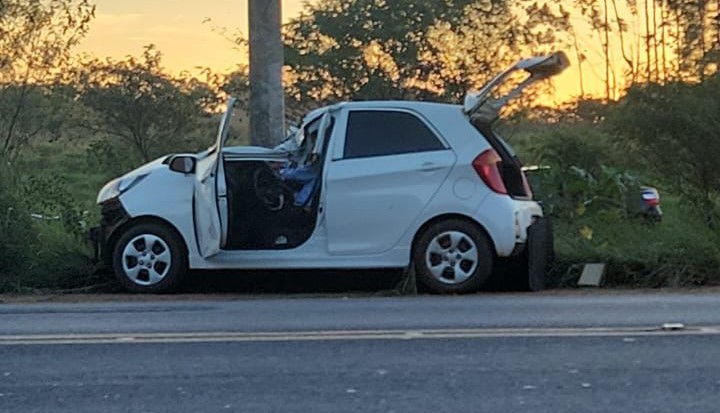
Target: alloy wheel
(452, 257)
(146, 259)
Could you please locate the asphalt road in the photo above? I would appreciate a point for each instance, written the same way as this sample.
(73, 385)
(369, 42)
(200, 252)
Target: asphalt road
(491, 352)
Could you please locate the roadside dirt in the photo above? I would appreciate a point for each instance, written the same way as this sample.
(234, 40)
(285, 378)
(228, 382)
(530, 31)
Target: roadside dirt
(264, 285)
(228, 285)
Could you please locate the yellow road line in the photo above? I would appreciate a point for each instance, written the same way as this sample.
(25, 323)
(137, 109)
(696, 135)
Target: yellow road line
(422, 334)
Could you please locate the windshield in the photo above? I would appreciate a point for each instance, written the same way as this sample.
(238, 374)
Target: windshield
(300, 141)
(299, 136)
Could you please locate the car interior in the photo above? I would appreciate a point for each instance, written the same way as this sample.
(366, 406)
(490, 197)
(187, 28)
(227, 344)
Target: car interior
(262, 209)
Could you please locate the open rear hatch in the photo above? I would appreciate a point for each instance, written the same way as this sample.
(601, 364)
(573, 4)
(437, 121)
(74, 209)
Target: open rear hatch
(483, 110)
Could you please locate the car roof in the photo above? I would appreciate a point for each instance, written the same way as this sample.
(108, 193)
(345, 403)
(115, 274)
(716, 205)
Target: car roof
(396, 104)
(417, 106)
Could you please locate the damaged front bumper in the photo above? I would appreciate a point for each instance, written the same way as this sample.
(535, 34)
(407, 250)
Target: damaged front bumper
(113, 217)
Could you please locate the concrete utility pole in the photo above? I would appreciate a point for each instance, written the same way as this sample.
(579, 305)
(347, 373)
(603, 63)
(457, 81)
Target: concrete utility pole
(267, 100)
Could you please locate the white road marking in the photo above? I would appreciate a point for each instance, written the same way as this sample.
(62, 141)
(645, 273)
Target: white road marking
(421, 334)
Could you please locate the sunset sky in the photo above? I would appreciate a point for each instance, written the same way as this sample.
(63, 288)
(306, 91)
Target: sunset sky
(176, 27)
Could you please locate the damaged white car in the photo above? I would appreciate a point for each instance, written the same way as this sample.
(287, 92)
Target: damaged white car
(379, 184)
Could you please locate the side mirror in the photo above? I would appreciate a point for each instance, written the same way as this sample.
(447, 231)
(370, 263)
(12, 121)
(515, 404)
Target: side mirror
(183, 164)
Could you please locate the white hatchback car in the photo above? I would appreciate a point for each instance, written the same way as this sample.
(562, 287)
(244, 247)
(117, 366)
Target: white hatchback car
(359, 185)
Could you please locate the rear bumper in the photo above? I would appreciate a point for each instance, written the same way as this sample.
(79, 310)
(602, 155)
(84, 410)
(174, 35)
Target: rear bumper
(526, 213)
(507, 221)
(540, 234)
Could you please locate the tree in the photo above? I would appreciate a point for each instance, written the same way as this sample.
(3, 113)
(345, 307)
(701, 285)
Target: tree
(697, 30)
(137, 103)
(28, 112)
(365, 49)
(676, 129)
(36, 37)
(673, 39)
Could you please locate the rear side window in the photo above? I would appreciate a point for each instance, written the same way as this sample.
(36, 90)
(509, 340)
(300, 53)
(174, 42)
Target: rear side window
(380, 133)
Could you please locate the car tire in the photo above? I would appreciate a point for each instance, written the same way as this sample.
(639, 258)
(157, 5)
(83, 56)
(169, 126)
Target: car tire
(453, 257)
(529, 270)
(150, 258)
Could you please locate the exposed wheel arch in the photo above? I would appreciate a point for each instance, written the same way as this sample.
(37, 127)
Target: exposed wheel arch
(445, 217)
(120, 230)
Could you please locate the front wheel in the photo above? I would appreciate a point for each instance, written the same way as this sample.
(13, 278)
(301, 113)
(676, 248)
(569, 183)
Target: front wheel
(453, 257)
(149, 258)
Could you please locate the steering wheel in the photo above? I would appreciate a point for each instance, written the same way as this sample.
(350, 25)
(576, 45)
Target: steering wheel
(269, 189)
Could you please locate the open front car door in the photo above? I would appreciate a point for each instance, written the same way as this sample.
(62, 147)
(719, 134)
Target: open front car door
(206, 206)
(483, 109)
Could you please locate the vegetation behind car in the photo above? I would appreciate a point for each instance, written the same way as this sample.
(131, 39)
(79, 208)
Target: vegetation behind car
(663, 129)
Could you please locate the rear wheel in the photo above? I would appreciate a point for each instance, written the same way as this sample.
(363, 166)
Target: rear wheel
(453, 257)
(149, 258)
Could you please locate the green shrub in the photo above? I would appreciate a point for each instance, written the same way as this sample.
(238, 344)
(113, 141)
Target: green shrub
(586, 185)
(48, 252)
(16, 233)
(59, 260)
(680, 251)
(676, 129)
(576, 174)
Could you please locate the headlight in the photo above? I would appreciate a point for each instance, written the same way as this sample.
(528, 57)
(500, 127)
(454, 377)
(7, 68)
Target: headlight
(109, 191)
(116, 187)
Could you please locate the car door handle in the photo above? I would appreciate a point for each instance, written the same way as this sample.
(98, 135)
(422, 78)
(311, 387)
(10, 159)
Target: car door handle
(430, 167)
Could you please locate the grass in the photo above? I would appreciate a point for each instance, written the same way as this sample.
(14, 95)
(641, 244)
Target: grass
(53, 256)
(680, 251)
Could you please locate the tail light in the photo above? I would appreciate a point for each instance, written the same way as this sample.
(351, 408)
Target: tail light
(486, 166)
(651, 198)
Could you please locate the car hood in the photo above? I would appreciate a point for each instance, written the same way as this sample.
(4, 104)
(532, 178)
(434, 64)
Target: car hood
(147, 168)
